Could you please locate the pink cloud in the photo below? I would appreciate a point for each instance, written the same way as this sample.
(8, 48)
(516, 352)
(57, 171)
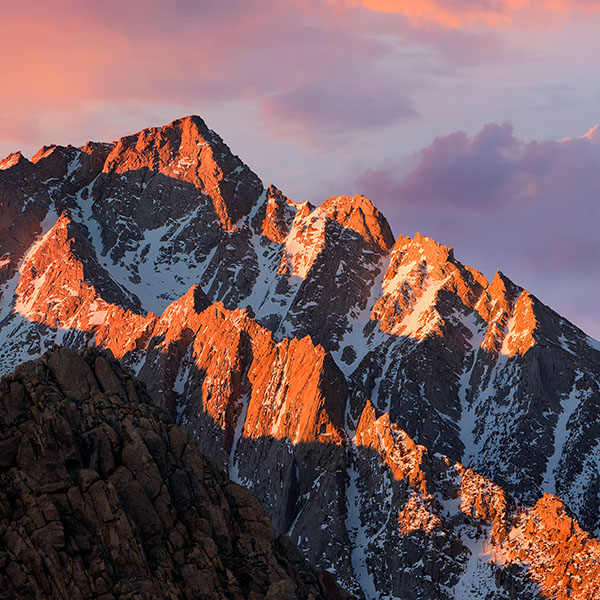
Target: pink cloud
(496, 169)
(284, 57)
(492, 13)
(530, 209)
(67, 55)
(69, 52)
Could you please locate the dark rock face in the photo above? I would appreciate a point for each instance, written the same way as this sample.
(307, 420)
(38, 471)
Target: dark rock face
(102, 496)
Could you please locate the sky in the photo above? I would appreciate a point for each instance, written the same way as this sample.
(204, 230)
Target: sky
(470, 121)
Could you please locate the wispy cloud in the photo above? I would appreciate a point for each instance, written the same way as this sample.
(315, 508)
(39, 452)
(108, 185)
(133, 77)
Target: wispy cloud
(492, 13)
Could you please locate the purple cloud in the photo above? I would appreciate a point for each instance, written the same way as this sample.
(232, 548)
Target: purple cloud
(531, 209)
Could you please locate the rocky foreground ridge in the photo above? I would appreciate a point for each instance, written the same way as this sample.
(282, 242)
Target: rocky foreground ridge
(418, 430)
(102, 496)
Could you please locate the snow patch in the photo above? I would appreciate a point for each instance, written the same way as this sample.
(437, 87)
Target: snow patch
(233, 464)
(477, 580)
(304, 243)
(468, 415)
(358, 538)
(354, 336)
(423, 316)
(592, 343)
(568, 406)
(392, 284)
(565, 344)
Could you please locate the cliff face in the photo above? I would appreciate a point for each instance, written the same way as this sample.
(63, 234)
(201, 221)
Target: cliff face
(102, 496)
(354, 382)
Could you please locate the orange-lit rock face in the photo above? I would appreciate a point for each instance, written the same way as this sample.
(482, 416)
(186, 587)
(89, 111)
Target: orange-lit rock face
(417, 516)
(279, 215)
(557, 555)
(510, 313)
(419, 270)
(27, 190)
(561, 558)
(295, 394)
(403, 457)
(495, 307)
(359, 214)
(311, 229)
(11, 160)
(54, 287)
(522, 326)
(480, 498)
(291, 389)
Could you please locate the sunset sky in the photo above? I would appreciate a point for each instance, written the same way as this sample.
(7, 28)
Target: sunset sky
(471, 121)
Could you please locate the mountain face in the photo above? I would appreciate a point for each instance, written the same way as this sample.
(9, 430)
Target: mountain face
(103, 496)
(416, 429)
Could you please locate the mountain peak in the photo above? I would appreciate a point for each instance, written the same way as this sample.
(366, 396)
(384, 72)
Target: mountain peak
(61, 281)
(502, 292)
(431, 251)
(11, 160)
(43, 152)
(191, 304)
(188, 152)
(359, 214)
(277, 215)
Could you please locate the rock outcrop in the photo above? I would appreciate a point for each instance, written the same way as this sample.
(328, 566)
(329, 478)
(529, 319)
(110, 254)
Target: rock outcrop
(103, 496)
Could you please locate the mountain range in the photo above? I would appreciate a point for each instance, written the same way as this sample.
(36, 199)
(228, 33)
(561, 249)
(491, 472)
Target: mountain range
(417, 430)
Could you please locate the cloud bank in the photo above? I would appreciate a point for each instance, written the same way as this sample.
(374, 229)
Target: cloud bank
(302, 62)
(531, 209)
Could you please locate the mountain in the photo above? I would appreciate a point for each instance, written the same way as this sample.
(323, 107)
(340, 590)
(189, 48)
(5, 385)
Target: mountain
(103, 496)
(403, 419)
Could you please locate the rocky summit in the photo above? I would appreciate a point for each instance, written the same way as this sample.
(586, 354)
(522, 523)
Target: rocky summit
(103, 496)
(417, 430)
